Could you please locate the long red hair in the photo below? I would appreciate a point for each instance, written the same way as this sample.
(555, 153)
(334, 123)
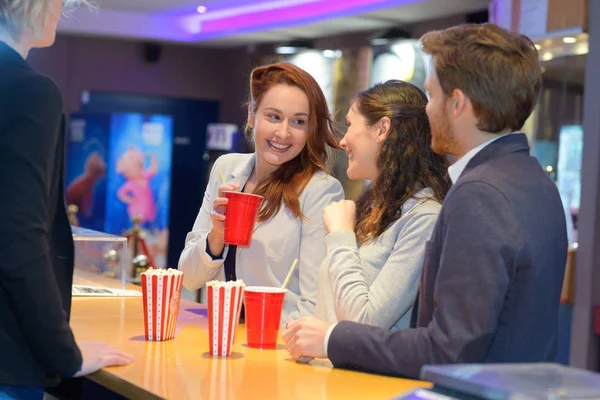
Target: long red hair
(290, 179)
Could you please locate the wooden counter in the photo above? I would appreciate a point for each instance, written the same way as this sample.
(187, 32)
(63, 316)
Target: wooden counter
(182, 369)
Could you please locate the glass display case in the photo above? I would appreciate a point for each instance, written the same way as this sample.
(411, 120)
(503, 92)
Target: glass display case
(101, 254)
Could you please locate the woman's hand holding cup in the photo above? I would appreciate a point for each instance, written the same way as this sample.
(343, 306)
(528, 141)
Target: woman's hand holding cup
(216, 237)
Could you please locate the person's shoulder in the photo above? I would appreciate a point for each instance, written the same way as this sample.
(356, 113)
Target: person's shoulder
(477, 183)
(322, 181)
(424, 212)
(425, 202)
(229, 162)
(30, 90)
(502, 170)
(34, 86)
(321, 190)
(428, 206)
(476, 195)
(234, 158)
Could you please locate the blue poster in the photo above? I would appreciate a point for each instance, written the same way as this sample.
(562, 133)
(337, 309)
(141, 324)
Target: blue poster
(139, 178)
(87, 149)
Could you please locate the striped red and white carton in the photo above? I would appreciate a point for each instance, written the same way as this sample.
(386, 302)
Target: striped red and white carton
(161, 289)
(224, 307)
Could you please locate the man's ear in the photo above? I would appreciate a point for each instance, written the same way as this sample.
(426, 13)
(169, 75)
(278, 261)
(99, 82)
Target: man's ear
(459, 102)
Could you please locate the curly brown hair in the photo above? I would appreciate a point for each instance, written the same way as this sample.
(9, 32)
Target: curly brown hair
(406, 162)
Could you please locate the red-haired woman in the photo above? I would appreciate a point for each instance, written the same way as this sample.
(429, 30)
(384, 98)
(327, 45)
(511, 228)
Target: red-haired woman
(290, 125)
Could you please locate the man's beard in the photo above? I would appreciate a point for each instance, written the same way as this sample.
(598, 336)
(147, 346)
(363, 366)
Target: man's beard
(443, 138)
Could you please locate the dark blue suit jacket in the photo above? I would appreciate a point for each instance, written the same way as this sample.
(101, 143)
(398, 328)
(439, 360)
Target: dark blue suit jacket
(492, 274)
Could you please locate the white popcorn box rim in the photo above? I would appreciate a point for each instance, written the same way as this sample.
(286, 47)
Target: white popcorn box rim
(162, 272)
(220, 284)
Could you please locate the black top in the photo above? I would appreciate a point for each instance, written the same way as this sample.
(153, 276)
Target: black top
(229, 264)
(492, 274)
(36, 244)
(229, 267)
(230, 274)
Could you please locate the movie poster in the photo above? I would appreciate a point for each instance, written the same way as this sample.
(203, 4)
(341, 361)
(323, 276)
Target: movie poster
(119, 167)
(139, 179)
(87, 148)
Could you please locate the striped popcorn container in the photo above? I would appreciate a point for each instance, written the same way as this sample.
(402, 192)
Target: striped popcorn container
(224, 307)
(161, 289)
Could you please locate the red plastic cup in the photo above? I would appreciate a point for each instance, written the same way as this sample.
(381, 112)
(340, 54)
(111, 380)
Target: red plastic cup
(263, 315)
(240, 217)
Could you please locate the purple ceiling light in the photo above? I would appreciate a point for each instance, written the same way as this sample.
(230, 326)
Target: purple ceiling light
(267, 15)
(228, 18)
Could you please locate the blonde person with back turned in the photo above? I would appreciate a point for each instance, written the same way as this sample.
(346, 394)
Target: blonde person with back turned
(290, 126)
(37, 347)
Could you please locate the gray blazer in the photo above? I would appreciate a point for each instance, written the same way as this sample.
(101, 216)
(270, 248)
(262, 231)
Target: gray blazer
(492, 275)
(275, 243)
(376, 284)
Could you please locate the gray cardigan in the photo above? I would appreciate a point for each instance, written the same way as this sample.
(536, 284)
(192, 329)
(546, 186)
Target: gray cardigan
(376, 284)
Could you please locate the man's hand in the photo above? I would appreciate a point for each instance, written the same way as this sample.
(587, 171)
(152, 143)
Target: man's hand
(304, 337)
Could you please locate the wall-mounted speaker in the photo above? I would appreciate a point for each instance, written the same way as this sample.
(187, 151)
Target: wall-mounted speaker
(152, 52)
(478, 17)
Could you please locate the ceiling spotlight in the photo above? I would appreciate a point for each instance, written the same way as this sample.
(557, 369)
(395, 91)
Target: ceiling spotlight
(201, 9)
(379, 41)
(332, 53)
(569, 39)
(286, 50)
(547, 56)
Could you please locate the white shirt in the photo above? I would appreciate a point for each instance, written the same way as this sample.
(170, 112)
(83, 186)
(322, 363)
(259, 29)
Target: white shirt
(455, 171)
(275, 242)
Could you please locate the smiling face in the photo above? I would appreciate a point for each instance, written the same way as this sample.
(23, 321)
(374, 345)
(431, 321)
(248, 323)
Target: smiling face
(361, 146)
(280, 124)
